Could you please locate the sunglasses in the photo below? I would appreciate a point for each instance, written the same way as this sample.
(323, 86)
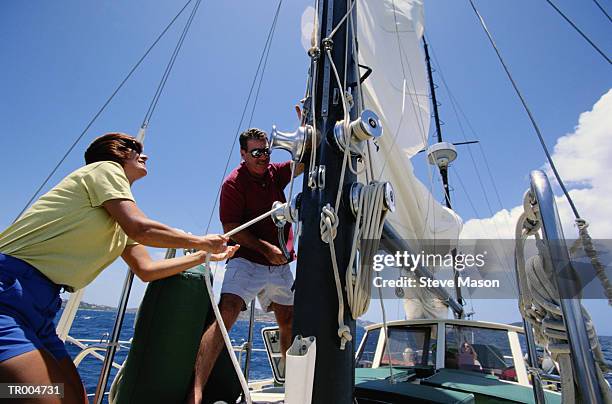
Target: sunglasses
(257, 153)
(132, 145)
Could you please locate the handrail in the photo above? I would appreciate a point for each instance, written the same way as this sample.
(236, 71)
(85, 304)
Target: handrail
(91, 350)
(583, 364)
(532, 356)
(249, 342)
(112, 345)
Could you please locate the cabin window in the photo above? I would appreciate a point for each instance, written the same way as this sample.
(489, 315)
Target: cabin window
(476, 349)
(410, 346)
(365, 357)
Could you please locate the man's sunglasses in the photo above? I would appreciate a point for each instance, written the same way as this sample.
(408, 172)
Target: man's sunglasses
(257, 153)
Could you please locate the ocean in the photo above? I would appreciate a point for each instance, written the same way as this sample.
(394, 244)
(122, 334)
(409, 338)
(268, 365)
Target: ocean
(91, 324)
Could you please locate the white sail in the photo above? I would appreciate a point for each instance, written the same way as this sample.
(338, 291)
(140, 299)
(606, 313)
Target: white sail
(389, 35)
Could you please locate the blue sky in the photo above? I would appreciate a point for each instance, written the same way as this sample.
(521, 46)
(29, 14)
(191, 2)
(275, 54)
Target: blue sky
(61, 60)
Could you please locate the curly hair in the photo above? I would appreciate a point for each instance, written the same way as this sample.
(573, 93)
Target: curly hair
(251, 133)
(114, 146)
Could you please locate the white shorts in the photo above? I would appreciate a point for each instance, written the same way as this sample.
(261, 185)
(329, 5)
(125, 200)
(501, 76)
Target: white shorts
(271, 284)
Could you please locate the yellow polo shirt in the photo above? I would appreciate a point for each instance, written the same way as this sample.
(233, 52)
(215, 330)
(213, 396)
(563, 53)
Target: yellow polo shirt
(66, 234)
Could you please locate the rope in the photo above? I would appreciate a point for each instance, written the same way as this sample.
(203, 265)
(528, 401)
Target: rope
(586, 243)
(329, 220)
(264, 55)
(169, 66)
(526, 107)
(337, 27)
(586, 38)
(225, 335)
(539, 304)
(329, 228)
(97, 114)
(314, 53)
(347, 134)
(603, 10)
(213, 302)
(504, 263)
(369, 226)
(265, 63)
(456, 109)
(371, 201)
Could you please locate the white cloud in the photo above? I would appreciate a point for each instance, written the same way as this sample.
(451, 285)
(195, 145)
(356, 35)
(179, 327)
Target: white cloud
(583, 161)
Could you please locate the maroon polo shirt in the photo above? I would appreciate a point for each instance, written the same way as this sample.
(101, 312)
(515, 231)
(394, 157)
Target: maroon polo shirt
(244, 197)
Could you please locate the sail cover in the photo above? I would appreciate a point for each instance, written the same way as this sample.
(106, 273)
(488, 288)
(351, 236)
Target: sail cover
(389, 36)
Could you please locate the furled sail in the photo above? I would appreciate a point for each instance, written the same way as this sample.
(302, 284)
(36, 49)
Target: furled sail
(389, 36)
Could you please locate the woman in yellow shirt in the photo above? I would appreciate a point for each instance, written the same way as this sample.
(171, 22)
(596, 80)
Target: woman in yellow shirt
(63, 241)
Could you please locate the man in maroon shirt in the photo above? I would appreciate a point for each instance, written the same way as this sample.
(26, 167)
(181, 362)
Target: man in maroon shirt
(259, 268)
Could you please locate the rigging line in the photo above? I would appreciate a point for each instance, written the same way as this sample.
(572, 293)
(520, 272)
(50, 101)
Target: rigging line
(346, 49)
(347, 142)
(313, 104)
(337, 27)
(603, 10)
(355, 171)
(169, 67)
(246, 106)
(349, 14)
(503, 263)
(356, 54)
(311, 84)
(369, 167)
(586, 38)
(314, 54)
(457, 108)
(263, 69)
(531, 118)
(491, 212)
(91, 122)
(454, 105)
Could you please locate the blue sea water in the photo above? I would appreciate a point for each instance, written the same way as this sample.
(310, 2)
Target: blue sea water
(90, 324)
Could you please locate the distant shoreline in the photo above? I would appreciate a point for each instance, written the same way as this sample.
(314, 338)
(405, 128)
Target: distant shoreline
(260, 315)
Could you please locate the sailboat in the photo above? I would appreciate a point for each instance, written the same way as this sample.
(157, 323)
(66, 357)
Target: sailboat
(394, 98)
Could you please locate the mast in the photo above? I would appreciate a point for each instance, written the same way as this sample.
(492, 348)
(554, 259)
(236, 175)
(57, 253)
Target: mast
(442, 167)
(316, 301)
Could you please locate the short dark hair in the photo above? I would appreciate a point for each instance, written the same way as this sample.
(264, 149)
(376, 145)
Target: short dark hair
(114, 146)
(251, 133)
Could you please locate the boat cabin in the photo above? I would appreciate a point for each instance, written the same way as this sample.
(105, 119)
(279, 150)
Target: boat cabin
(429, 345)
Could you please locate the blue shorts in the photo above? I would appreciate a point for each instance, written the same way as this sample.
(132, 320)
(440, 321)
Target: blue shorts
(28, 305)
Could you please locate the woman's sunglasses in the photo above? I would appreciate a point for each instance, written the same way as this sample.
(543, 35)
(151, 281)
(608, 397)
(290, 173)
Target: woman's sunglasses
(257, 153)
(132, 145)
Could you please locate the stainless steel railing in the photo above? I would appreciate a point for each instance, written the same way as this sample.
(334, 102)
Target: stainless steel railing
(583, 363)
